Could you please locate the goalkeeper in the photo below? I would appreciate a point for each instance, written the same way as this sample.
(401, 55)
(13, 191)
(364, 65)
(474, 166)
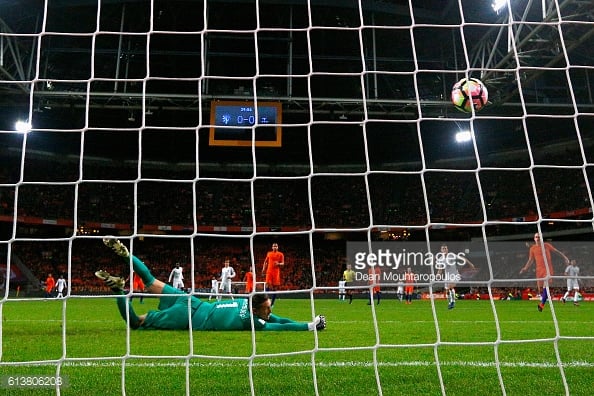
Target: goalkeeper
(174, 308)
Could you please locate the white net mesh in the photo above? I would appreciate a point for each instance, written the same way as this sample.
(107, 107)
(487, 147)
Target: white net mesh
(199, 131)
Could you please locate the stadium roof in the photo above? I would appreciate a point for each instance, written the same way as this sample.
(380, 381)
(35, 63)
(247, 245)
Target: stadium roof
(130, 63)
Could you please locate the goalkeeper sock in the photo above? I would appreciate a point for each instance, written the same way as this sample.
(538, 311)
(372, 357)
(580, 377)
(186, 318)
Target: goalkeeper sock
(134, 320)
(143, 271)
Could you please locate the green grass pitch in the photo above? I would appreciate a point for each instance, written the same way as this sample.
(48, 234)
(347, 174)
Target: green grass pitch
(474, 345)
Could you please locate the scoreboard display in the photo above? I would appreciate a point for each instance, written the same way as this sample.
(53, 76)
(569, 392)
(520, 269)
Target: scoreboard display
(232, 123)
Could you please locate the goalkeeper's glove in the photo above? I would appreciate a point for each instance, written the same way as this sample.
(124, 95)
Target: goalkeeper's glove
(319, 323)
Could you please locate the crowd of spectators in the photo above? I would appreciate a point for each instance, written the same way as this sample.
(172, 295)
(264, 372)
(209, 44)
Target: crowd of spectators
(337, 201)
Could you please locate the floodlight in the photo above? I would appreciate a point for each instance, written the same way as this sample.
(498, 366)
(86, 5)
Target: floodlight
(22, 126)
(499, 4)
(463, 137)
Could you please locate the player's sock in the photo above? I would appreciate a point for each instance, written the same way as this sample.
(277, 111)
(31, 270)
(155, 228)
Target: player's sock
(134, 320)
(273, 299)
(379, 296)
(143, 271)
(351, 298)
(544, 296)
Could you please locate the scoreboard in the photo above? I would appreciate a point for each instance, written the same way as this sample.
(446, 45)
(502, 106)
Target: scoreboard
(233, 123)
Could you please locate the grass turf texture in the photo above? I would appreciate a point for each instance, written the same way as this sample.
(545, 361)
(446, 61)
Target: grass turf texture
(351, 357)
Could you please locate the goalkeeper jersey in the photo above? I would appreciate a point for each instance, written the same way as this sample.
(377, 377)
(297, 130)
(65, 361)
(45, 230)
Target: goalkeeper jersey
(235, 315)
(221, 315)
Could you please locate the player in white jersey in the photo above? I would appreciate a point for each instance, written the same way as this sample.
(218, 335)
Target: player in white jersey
(572, 271)
(400, 291)
(447, 264)
(60, 286)
(176, 277)
(214, 289)
(341, 290)
(227, 273)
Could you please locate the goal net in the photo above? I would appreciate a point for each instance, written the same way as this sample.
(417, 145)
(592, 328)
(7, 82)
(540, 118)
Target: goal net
(200, 131)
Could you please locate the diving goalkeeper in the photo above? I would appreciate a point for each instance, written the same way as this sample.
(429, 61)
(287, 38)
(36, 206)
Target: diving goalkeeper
(174, 309)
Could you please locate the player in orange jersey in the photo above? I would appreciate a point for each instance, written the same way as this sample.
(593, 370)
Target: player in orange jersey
(249, 281)
(50, 283)
(374, 276)
(544, 266)
(138, 286)
(409, 282)
(271, 269)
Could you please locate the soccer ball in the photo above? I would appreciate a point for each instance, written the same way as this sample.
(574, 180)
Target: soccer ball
(469, 92)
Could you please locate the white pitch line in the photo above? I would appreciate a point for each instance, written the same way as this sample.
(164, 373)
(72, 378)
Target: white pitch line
(463, 321)
(335, 364)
